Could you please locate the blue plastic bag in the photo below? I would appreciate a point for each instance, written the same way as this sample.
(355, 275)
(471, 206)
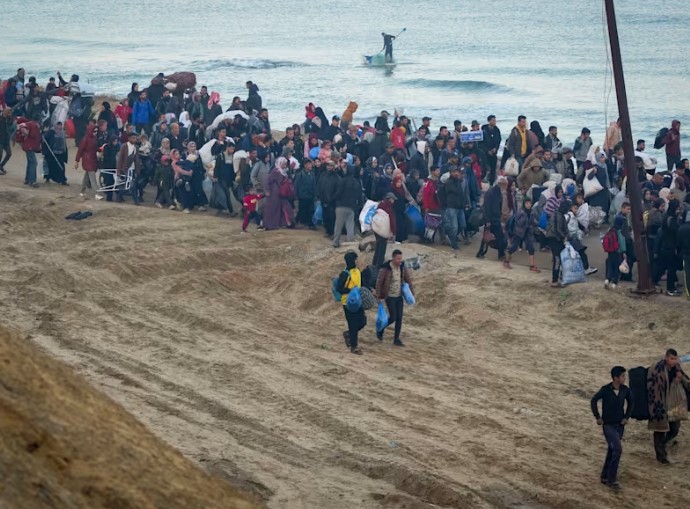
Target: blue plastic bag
(314, 153)
(407, 294)
(572, 270)
(381, 318)
(415, 219)
(317, 218)
(543, 220)
(354, 300)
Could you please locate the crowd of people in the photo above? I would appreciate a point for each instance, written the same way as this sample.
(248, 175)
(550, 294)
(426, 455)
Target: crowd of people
(527, 190)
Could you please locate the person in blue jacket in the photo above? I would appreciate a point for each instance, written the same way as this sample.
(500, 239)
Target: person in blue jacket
(142, 113)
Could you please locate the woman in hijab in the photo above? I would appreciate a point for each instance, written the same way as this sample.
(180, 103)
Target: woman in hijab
(133, 97)
(88, 156)
(536, 133)
(278, 211)
(554, 201)
(198, 176)
(667, 260)
(602, 198)
(164, 150)
(55, 154)
(236, 104)
(402, 197)
(108, 116)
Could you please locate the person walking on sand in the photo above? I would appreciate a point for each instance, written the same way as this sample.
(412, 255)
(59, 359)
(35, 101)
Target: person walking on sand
(392, 275)
(7, 129)
(659, 378)
(351, 278)
(88, 156)
(31, 141)
(615, 415)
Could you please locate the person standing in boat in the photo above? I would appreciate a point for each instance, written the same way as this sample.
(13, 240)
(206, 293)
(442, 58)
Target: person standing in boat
(388, 46)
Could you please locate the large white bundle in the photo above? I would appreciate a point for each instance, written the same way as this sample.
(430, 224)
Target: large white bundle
(381, 224)
(60, 111)
(237, 159)
(206, 156)
(228, 114)
(512, 167)
(591, 186)
(366, 216)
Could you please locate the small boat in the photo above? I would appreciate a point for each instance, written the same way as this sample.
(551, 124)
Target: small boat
(378, 60)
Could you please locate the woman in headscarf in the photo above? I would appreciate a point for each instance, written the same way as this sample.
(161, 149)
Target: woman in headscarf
(214, 108)
(164, 150)
(133, 97)
(198, 176)
(55, 154)
(236, 104)
(536, 133)
(182, 172)
(88, 156)
(667, 259)
(554, 201)
(108, 116)
(278, 210)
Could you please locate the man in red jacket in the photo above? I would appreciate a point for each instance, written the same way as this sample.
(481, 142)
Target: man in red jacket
(672, 143)
(29, 136)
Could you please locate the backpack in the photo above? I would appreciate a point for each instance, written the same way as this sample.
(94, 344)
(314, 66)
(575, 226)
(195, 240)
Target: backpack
(337, 296)
(610, 241)
(659, 139)
(638, 387)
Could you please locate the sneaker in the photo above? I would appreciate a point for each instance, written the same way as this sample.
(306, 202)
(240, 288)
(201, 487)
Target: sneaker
(171, 207)
(613, 286)
(202, 209)
(397, 342)
(555, 285)
(591, 270)
(99, 197)
(674, 293)
(606, 284)
(260, 228)
(356, 351)
(158, 205)
(186, 211)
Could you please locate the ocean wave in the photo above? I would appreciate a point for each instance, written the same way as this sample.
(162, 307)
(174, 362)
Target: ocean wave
(247, 63)
(466, 85)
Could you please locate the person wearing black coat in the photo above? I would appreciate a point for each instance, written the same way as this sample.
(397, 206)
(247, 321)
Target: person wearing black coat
(491, 144)
(305, 192)
(683, 245)
(348, 198)
(667, 259)
(493, 204)
(327, 189)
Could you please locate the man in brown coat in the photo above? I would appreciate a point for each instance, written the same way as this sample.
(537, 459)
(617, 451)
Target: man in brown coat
(128, 159)
(392, 275)
(658, 386)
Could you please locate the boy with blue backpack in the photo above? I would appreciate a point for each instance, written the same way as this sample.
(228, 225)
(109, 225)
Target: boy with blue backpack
(349, 286)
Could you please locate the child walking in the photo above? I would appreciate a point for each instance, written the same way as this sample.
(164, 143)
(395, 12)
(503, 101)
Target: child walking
(251, 199)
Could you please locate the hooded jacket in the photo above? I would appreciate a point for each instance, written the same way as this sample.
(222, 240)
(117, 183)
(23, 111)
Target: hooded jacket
(142, 112)
(350, 278)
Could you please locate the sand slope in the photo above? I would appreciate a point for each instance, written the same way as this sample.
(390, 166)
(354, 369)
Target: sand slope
(64, 445)
(229, 348)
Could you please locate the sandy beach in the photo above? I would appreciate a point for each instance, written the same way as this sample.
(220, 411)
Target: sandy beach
(228, 347)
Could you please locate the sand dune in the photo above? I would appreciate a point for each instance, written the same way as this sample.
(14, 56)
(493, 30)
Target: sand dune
(229, 348)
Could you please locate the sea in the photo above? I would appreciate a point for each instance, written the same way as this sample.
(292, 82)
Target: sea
(456, 59)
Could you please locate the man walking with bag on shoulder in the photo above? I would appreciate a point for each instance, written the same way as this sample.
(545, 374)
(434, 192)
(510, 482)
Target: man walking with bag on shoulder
(389, 288)
(349, 279)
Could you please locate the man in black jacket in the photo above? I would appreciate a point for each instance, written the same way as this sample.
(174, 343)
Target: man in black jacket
(614, 397)
(493, 205)
(328, 186)
(348, 198)
(305, 192)
(455, 199)
(491, 143)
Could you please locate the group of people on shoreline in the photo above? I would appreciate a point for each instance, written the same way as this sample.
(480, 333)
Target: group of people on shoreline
(196, 155)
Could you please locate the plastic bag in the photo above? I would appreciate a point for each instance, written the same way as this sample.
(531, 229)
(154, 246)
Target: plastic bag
(572, 270)
(543, 220)
(512, 167)
(317, 218)
(354, 300)
(476, 219)
(381, 318)
(596, 216)
(366, 215)
(624, 267)
(381, 224)
(415, 219)
(591, 186)
(207, 186)
(408, 295)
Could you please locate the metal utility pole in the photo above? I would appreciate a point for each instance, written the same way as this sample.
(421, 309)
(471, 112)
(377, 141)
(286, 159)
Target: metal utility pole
(644, 280)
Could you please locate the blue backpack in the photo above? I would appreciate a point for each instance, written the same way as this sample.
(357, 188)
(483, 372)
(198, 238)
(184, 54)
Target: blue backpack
(337, 296)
